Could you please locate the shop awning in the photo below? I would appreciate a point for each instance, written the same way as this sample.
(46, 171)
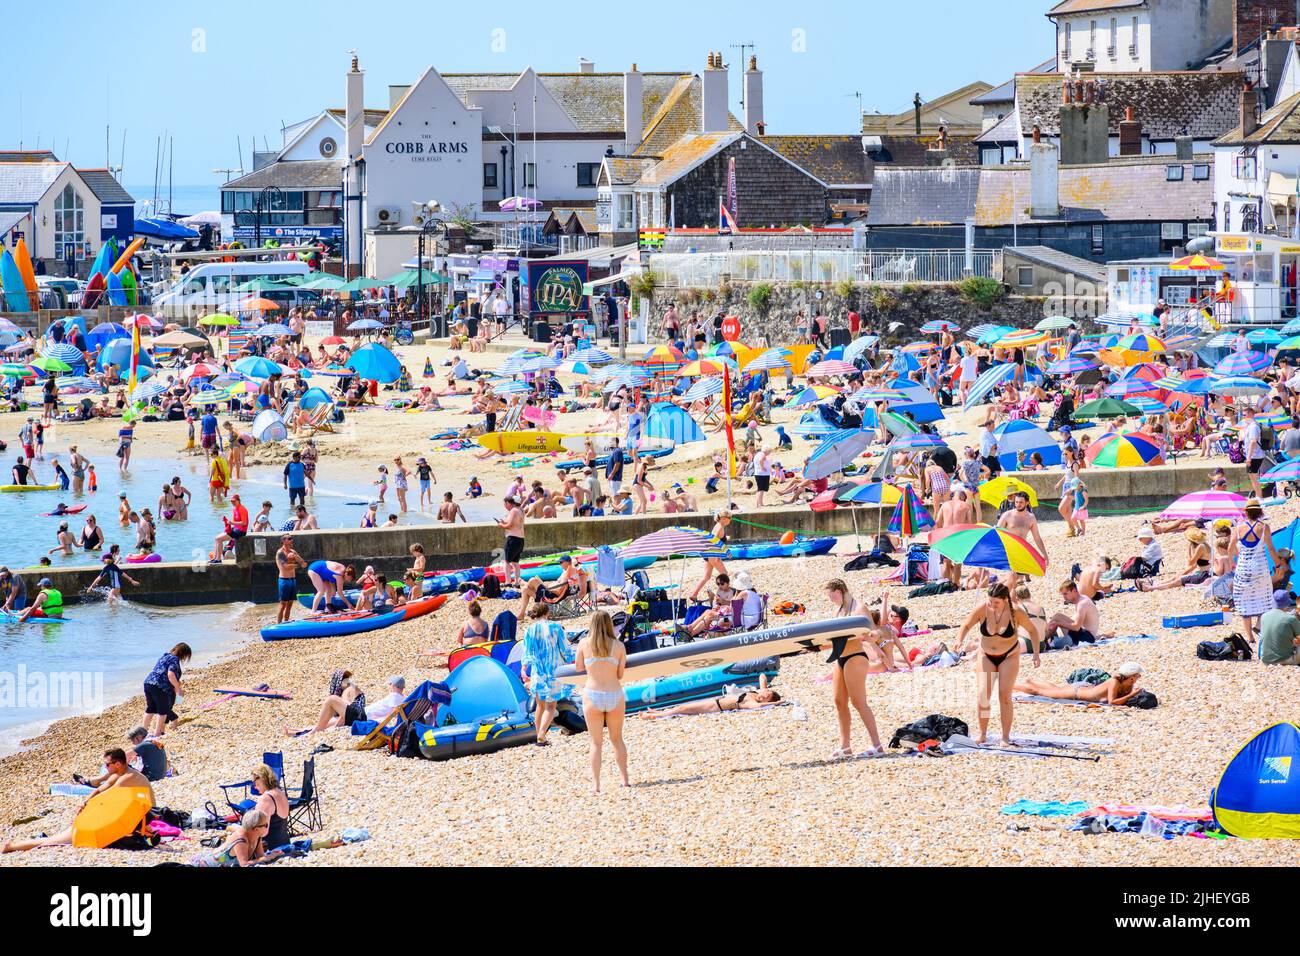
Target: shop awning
(589, 288)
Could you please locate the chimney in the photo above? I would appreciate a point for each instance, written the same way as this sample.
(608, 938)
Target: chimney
(916, 107)
(354, 117)
(753, 97)
(1130, 134)
(585, 65)
(1251, 19)
(1249, 111)
(1084, 123)
(1183, 148)
(633, 128)
(713, 96)
(1044, 180)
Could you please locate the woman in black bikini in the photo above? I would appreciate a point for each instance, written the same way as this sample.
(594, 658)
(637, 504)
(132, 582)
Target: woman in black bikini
(998, 617)
(745, 700)
(849, 678)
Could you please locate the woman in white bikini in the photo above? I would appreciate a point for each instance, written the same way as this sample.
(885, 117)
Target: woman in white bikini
(602, 657)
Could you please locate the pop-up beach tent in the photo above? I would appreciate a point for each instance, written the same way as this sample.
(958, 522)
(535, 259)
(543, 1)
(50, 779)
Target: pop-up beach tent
(669, 421)
(1258, 796)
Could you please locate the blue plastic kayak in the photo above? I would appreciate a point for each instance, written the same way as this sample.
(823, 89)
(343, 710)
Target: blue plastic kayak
(603, 460)
(802, 547)
(446, 583)
(332, 625)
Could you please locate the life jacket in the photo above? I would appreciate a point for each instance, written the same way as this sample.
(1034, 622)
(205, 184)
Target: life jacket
(53, 605)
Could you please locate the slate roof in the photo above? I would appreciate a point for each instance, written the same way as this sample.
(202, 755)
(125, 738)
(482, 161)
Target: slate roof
(27, 156)
(107, 189)
(1062, 262)
(626, 170)
(1280, 126)
(835, 160)
(909, 196)
(305, 174)
(594, 101)
(1067, 7)
(1006, 130)
(27, 182)
(910, 150)
(678, 115)
(684, 155)
(1006, 93)
(1201, 105)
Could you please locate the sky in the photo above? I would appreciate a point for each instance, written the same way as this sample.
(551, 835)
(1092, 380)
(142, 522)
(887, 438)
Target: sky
(207, 74)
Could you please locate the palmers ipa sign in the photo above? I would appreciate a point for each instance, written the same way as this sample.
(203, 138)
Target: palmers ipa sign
(551, 287)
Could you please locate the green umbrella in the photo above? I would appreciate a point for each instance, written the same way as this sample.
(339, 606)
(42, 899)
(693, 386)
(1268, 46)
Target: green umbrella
(15, 371)
(411, 279)
(218, 318)
(324, 281)
(46, 364)
(360, 284)
(1104, 408)
(1053, 322)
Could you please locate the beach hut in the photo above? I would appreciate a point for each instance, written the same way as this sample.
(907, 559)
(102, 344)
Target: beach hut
(1024, 436)
(668, 421)
(1258, 796)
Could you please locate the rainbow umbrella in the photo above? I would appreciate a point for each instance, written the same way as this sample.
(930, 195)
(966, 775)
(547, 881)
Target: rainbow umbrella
(725, 348)
(910, 516)
(874, 493)
(1277, 420)
(935, 326)
(814, 394)
(869, 396)
(1208, 505)
(1140, 342)
(919, 347)
(980, 546)
(1287, 471)
(1289, 344)
(667, 542)
(706, 366)
(1243, 363)
(663, 358)
(1021, 339)
(1132, 450)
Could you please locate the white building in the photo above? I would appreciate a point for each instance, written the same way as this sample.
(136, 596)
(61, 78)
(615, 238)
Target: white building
(1131, 36)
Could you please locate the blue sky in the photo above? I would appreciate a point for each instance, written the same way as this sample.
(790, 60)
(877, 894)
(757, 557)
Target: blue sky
(244, 68)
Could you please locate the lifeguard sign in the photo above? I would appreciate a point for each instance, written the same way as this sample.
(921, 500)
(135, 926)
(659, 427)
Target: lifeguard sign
(731, 328)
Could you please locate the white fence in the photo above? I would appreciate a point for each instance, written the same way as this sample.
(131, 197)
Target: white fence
(710, 269)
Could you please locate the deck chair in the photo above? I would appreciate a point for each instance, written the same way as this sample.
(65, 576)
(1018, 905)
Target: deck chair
(420, 705)
(321, 419)
(712, 411)
(242, 796)
(511, 422)
(304, 803)
(571, 604)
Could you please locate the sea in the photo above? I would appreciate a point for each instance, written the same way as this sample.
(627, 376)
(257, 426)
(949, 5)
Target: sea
(184, 200)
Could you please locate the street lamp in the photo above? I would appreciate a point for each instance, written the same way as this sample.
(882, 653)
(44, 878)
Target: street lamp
(268, 197)
(430, 226)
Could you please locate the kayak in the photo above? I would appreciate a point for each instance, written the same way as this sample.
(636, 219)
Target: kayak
(332, 625)
(802, 547)
(603, 460)
(7, 617)
(74, 510)
(447, 581)
(422, 606)
(552, 572)
(30, 487)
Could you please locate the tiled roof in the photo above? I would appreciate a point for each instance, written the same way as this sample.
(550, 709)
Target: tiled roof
(1201, 105)
(1066, 7)
(953, 109)
(1280, 126)
(909, 196)
(306, 174)
(10, 219)
(105, 187)
(678, 115)
(625, 170)
(684, 155)
(1128, 189)
(909, 150)
(27, 156)
(835, 160)
(27, 182)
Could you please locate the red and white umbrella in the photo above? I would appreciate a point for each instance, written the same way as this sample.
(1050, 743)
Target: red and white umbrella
(201, 370)
(831, 368)
(1207, 505)
(670, 541)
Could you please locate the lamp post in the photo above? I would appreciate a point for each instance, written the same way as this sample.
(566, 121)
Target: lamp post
(268, 197)
(430, 226)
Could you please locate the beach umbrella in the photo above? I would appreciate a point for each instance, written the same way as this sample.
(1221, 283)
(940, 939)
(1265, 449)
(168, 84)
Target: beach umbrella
(1022, 437)
(1197, 263)
(935, 326)
(919, 347)
(813, 394)
(991, 333)
(1265, 337)
(1223, 340)
(725, 348)
(1289, 344)
(705, 366)
(1196, 386)
(512, 388)
(812, 425)
(180, 340)
(704, 388)
(918, 440)
(335, 371)
(979, 546)
(324, 282)
(219, 319)
(333, 340)
(1148, 406)
(836, 452)
(667, 542)
(230, 378)
(1180, 342)
(667, 420)
(1286, 471)
(1104, 408)
(997, 490)
(1131, 450)
(768, 361)
(1022, 338)
(373, 361)
(990, 379)
(1243, 363)
(910, 516)
(1207, 505)
(514, 364)
(830, 369)
(1237, 385)
(871, 395)
(258, 304)
(11, 370)
(1071, 365)
(48, 363)
(365, 325)
(590, 356)
(858, 347)
(626, 380)
(542, 363)
(1054, 322)
(360, 284)
(1140, 342)
(872, 493)
(313, 398)
(255, 366)
(663, 356)
(147, 391)
(273, 330)
(1292, 327)
(64, 353)
(1278, 419)
(199, 370)
(1130, 386)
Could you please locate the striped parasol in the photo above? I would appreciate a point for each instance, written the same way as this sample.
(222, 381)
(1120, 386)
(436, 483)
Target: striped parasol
(1265, 337)
(1278, 420)
(919, 440)
(1289, 344)
(541, 363)
(830, 369)
(935, 326)
(1287, 471)
(919, 347)
(769, 361)
(875, 493)
(1197, 263)
(1071, 365)
(663, 358)
(836, 452)
(979, 546)
(146, 391)
(1130, 386)
(1243, 363)
(706, 366)
(1023, 338)
(990, 334)
(676, 540)
(1054, 322)
(1208, 505)
(910, 516)
(812, 425)
(1237, 385)
(1141, 342)
(512, 388)
(813, 394)
(869, 396)
(514, 364)
(64, 353)
(1148, 406)
(591, 356)
(704, 388)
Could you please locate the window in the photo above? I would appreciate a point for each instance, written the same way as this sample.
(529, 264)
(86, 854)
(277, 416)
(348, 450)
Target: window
(990, 155)
(1098, 240)
(1133, 43)
(1171, 230)
(1196, 229)
(530, 175)
(1069, 40)
(1113, 48)
(1243, 165)
(1121, 275)
(1025, 276)
(1173, 174)
(489, 175)
(587, 173)
(1201, 172)
(69, 225)
(625, 220)
(227, 202)
(1092, 39)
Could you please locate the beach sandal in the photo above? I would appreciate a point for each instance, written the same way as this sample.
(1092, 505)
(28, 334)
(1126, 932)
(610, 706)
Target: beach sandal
(871, 752)
(323, 749)
(542, 743)
(840, 753)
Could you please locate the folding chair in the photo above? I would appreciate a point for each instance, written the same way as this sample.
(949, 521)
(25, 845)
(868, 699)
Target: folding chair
(420, 705)
(570, 604)
(320, 420)
(245, 793)
(304, 803)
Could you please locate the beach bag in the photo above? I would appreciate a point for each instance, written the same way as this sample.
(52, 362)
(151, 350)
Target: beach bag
(1143, 700)
(1236, 452)
(1087, 675)
(934, 727)
(1220, 651)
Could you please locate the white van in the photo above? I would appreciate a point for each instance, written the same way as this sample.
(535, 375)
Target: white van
(209, 287)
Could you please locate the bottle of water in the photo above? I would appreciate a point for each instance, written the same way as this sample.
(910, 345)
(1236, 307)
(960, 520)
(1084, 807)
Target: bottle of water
(1152, 827)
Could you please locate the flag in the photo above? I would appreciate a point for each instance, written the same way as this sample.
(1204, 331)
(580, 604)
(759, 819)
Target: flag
(733, 207)
(725, 221)
(726, 417)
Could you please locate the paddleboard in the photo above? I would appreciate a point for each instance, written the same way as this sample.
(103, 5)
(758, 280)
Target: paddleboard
(94, 292)
(74, 510)
(15, 293)
(126, 255)
(729, 648)
(8, 617)
(129, 285)
(602, 442)
(267, 695)
(24, 260)
(513, 443)
(116, 291)
(30, 487)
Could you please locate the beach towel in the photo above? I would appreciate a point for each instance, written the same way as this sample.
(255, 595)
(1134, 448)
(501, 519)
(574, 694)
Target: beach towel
(1045, 808)
(70, 790)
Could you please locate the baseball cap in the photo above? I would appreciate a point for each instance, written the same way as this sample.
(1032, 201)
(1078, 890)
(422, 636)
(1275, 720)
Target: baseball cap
(45, 583)
(1283, 600)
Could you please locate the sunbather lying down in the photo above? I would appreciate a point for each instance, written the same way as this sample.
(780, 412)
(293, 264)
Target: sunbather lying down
(1114, 692)
(746, 700)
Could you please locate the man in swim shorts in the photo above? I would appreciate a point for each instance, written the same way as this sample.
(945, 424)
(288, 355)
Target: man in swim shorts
(513, 526)
(1084, 626)
(287, 562)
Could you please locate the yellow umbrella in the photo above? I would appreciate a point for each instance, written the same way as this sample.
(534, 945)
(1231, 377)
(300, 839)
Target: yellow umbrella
(704, 366)
(995, 491)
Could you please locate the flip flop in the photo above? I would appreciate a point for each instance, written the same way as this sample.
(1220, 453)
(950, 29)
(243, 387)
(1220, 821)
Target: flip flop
(323, 749)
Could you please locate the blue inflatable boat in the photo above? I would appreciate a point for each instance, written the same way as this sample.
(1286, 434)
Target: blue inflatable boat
(332, 625)
(603, 460)
(801, 547)
(488, 712)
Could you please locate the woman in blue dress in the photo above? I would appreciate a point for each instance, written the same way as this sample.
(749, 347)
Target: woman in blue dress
(545, 649)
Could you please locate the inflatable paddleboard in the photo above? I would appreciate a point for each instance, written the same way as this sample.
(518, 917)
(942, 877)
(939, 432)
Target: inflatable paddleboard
(730, 648)
(20, 488)
(332, 625)
(8, 617)
(697, 685)
(513, 443)
(772, 549)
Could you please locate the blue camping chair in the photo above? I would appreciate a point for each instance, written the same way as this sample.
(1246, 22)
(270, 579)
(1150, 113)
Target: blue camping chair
(245, 793)
(420, 705)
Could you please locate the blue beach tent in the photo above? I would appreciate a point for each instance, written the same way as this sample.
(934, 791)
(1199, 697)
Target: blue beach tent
(1258, 796)
(669, 421)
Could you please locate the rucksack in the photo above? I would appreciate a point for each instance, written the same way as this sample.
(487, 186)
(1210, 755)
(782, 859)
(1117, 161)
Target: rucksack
(1143, 699)
(1267, 438)
(934, 727)
(1234, 648)
(490, 587)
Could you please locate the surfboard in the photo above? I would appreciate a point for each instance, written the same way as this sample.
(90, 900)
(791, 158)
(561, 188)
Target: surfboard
(116, 291)
(94, 292)
(601, 442)
(74, 510)
(15, 293)
(729, 648)
(129, 285)
(513, 443)
(126, 255)
(24, 260)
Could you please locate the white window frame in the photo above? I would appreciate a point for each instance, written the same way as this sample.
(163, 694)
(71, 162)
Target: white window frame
(69, 224)
(1171, 231)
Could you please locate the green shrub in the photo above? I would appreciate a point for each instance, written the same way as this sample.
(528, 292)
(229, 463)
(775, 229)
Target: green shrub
(909, 288)
(760, 297)
(981, 291)
(844, 288)
(882, 300)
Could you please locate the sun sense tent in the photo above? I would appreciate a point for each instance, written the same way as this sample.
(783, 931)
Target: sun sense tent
(668, 421)
(916, 402)
(1258, 796)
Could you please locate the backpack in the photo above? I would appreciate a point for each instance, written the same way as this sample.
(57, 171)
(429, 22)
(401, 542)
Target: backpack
(1234, 648)
(934, 727)
(1267, 438)
(490, 587)
(1236, 452)
(1143, 699)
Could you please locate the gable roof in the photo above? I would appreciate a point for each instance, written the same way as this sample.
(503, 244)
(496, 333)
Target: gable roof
(624, 170)
(27, 182)
(835, 160)
(911, 196)
(898, 149)
(1067, 7)
(684, 155)
(1280, 126)
(1061, 261)
(1006, 130)
(1200, 105)
(678, 115)
(299, 174)
(932, 111)
(107, 189)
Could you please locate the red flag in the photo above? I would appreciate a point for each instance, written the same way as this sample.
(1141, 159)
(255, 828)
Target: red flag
(726, 411)
(726, 222)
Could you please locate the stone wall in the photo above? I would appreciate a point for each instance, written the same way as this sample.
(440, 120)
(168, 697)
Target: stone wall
(879, 306)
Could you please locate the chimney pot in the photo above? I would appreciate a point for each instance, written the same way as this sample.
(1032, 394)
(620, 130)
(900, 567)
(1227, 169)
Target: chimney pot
(753, 63)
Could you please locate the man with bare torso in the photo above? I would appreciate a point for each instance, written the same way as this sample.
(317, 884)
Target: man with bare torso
(1084, 627)
(1021, 521)
(513, 526)
(955, 511)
